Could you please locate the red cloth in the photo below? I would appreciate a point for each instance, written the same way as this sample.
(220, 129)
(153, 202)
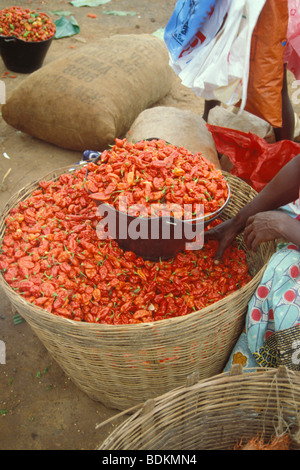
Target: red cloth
(255, 160)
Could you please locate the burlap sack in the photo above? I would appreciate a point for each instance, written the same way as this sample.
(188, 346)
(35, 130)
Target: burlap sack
(179, 127)
(245, 122)
(91, 96)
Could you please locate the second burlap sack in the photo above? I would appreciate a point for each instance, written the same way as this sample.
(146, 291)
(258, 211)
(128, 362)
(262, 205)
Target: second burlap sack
(180, 127)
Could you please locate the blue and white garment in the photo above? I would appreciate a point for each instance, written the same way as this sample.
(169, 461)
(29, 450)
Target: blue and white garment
(275, 307)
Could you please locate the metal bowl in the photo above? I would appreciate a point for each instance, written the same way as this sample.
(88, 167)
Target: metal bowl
(154, 238)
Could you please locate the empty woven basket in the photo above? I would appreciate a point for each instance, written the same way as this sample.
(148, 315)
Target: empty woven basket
(122, 365)
(216, 413)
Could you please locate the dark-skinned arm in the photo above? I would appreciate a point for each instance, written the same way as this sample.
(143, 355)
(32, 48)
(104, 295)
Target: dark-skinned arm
(255, 218)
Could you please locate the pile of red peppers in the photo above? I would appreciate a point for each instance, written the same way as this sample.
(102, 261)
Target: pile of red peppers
(51, 255)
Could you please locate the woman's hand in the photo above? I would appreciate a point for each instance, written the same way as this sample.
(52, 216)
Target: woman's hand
(260, 218)
(225, 233)
(267, 226)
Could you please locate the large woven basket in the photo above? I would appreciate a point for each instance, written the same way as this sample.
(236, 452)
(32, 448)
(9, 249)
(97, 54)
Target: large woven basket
(126, 364)
(215, 414)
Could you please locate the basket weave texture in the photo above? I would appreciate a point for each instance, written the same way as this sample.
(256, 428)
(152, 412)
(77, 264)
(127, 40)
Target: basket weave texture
(124, 365)
(216, 413)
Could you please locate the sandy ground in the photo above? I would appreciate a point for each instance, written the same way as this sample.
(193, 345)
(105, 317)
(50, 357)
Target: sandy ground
(40, 407)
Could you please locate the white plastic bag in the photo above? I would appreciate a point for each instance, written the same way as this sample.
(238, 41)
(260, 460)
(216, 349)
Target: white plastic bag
(219, 69)
(186, 23)
(202, 37)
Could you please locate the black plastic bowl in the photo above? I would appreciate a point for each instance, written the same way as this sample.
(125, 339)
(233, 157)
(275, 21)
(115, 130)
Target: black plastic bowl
(23, 56)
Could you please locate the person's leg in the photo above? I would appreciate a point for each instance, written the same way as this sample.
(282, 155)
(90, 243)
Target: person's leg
(286, 132)
(208, 105)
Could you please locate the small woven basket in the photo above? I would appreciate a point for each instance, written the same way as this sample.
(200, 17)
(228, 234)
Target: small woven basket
(122, 365)
(215, 414)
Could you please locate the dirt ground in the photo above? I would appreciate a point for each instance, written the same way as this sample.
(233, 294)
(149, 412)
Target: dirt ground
(40, 407)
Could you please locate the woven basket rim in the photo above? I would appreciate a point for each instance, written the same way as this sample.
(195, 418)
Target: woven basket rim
(196, 315)
(237, 374)
(174, 320)
(275, 380)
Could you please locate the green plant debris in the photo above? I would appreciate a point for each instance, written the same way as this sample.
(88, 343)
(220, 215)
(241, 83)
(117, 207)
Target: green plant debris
(66, 27)
(61, 13)
(119, 13)
(18, 319)
(39, 373)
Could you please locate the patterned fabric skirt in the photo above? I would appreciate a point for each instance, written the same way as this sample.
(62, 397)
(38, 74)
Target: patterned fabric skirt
(272, 330)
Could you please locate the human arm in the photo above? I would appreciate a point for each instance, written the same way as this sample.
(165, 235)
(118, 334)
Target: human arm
(271, 225)
(283, 189)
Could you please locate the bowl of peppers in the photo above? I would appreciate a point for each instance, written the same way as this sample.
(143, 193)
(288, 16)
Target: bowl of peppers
(25, 37)
(156, 197)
